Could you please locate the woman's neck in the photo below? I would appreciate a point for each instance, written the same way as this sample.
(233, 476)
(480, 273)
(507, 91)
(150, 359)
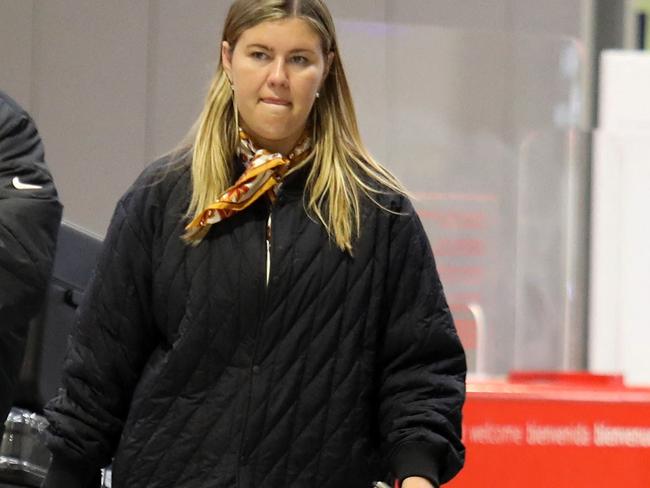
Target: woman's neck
(282, 146)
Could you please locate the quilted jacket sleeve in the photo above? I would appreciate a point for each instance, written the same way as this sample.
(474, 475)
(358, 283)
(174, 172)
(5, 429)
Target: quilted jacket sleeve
(30, 214)
(423, 378)
(111, 340)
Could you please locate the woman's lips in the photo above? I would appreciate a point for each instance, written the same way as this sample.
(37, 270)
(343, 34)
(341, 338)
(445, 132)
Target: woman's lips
(276, 101)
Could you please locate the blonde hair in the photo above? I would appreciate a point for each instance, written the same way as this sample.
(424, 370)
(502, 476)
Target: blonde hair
(341, 167)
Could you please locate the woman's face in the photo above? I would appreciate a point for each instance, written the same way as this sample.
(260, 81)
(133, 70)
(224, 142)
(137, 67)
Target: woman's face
(276, 69)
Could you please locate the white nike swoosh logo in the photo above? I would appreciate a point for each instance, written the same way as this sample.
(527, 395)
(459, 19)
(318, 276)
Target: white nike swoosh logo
(19, 185)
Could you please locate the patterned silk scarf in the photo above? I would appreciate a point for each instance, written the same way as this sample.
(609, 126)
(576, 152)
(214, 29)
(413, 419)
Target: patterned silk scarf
(262, 175)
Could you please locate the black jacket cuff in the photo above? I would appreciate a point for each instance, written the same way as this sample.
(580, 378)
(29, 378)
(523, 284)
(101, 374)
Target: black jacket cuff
(416, 459)
(65, 473)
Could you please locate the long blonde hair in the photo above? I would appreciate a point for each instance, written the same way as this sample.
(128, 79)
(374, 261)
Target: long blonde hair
(341, 167)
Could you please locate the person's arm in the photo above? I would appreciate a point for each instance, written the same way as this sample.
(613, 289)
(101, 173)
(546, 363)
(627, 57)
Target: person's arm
(423, 379)
(30, 214)
(111, 340)
(416, 482)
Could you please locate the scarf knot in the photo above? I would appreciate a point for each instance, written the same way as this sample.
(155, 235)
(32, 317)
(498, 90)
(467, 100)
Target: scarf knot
(263, 175)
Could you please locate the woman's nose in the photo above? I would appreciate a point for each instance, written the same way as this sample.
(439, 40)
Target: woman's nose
(278, 75)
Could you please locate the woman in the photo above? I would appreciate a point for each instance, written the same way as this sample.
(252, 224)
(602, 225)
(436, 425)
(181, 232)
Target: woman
(266, 312)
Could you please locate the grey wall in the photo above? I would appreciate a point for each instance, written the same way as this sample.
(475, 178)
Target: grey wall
(110, 84)
(114, 84)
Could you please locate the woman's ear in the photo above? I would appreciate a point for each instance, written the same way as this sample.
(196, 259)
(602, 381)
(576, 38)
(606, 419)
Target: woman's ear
(226, 59)
(328, 64)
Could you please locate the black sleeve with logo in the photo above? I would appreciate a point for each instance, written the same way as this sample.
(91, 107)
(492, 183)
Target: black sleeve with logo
(30, 214)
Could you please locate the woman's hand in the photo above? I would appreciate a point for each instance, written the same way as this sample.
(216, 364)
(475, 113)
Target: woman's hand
(416, 482)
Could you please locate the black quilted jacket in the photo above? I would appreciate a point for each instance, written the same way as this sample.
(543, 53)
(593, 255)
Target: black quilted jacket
(30, 214)
(192, 372)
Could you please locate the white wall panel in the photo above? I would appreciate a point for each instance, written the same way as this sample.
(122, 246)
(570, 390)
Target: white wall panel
(90, 101)
(363, 48)
(483, 15)
(549, 17)
(16, 49)
(620, 262)
(366, 10)
(183, 55)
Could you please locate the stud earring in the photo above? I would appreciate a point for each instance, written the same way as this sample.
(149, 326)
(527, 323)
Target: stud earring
(317, 94)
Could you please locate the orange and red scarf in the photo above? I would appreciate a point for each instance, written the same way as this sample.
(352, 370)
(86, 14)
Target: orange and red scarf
(262, 175)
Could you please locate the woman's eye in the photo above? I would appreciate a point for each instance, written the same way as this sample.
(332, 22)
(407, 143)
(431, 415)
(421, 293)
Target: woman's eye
(259, 55)
(299, 60)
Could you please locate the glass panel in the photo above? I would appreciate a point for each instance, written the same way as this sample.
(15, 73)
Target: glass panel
(551, 243)
(490, 148)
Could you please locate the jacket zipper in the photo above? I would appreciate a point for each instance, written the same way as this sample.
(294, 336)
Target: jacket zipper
(268, 248)
(267, 238)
